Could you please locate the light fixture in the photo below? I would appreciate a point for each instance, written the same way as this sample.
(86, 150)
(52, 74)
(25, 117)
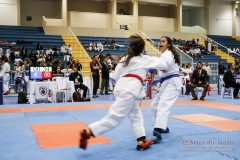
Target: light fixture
(237, 1)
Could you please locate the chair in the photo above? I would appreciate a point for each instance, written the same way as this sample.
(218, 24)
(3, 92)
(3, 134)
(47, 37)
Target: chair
(225, 89)
(57, 88)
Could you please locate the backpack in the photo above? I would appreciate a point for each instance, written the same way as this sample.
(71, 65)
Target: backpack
(22, 97)
(77, 96)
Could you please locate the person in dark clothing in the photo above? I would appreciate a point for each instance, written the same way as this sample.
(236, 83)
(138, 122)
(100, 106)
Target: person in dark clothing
(77, 78)
(221, 68)
(230, 81)
(199, 78)
(33, 58)
(105, 76)
(95, 65)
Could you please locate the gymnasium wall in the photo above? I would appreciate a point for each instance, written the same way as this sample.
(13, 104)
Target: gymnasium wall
(220, 18)
(8, 12)
(37, 9)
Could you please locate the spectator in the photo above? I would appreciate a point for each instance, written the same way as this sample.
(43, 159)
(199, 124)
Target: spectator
(39, 47)
(95, 66)
(77, 78)
(55, 51)
(199, 78)
(230, 81)
(24, 52)
(105, 75)
(207, 68)
(221, 67)
(99, 47)
(33, 58)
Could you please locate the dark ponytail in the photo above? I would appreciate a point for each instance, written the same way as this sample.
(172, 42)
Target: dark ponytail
(135, 48)
(173, 50)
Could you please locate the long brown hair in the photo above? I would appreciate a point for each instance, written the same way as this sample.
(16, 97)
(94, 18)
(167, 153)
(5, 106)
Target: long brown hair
(173, 50)
(135, 48)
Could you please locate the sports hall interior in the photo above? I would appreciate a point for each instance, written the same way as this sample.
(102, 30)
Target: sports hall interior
(49, 130)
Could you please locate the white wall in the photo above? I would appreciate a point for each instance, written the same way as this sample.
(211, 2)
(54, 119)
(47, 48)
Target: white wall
(8, 12)
(220, 18)
(37, 9)
(156, 24)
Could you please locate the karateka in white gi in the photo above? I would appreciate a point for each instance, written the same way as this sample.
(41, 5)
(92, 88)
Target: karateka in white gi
(169, 89)
(5, 75)
(129, 75)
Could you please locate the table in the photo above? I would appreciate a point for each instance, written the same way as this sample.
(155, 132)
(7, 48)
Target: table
(43, 90)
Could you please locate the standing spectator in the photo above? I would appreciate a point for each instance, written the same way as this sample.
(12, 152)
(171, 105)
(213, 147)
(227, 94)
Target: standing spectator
(78, 65)
(24, 52)
(221, 67)
(230, 81)
(95, 66)
(5, 74)
(105, 76)
(207, 68)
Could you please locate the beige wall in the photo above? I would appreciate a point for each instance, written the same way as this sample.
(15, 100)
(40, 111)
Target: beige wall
(8, 12)
(125, 20)
(88, 6)
(156, 24)
(177, 35)
(37, 9)
(88, 19)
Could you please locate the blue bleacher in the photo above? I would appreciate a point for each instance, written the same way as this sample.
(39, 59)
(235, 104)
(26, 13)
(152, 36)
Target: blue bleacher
(32, 34)
(86, 40)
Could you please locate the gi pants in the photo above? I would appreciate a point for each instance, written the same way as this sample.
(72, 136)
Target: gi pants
(123, 106)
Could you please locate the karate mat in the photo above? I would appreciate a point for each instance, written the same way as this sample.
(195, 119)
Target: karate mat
(198, 130)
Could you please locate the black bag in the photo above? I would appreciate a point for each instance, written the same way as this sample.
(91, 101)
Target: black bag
(77, 96)
(22, 97)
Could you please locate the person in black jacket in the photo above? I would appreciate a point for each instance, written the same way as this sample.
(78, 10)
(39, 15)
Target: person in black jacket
(199, 78)
(230, 81)
(77, 78)
(221, 68)
(105, 75)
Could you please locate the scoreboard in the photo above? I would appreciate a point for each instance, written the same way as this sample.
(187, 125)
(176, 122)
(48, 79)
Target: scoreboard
(40, 73)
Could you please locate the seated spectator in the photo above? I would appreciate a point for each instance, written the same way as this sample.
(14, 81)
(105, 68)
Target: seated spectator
(33, 58)
(39, 47)
(49, 57)
(58, 71)
(92, 46)
(199, 78)
(68, 53)
(63, 50)
(67, 71)
(197, 52)
(1, 53)
(77, 78)
(8, 51)
(230, 81)
(41, 56)
(99, 47)
(48, 50)
(55, 51)
(107, 42)
(17, 51)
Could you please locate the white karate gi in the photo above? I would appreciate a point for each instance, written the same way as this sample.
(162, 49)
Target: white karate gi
(126, 91)
(6, 76)
(168, 92)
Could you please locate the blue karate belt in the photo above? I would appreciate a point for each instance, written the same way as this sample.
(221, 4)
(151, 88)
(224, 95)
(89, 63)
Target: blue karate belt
(162, 79)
